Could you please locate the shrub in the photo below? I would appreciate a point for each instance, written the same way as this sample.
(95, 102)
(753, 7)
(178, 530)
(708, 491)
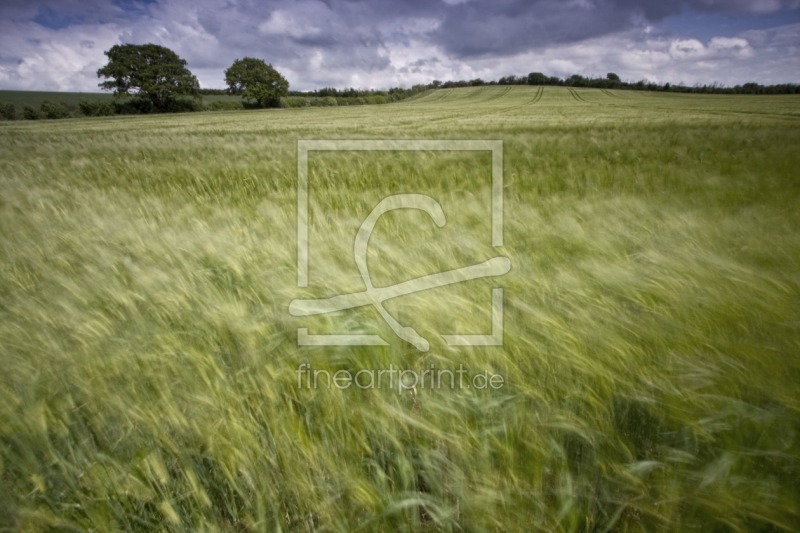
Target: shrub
(183, 105)
(133, 106)
(297, 101)
(53, 110)
(249, 104)
(96, 109)
(30, 113)
(7, 111)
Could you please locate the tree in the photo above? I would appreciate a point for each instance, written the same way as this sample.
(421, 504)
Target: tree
(537, 78)
(576, 80)
(611, 76)
(7, 111)
(48, 109)
(148, 71)
(508, 80)
(256, 80)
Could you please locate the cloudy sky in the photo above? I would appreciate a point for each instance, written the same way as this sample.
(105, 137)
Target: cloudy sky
(59, 44)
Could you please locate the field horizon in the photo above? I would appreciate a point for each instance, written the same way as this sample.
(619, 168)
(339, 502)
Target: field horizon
(152, 377)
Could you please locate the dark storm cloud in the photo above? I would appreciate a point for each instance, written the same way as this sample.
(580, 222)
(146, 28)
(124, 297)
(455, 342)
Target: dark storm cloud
(378, 43)
(484, 28)
(506, 27)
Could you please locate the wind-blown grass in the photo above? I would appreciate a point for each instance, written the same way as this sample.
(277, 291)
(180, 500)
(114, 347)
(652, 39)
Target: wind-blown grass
(652, 320)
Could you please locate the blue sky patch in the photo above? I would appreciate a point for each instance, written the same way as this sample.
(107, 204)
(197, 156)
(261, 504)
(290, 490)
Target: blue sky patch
(56, 20)
(133, 6)
(704, 26)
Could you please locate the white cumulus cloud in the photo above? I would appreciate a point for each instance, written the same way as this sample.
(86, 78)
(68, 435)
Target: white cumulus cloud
(382, 43)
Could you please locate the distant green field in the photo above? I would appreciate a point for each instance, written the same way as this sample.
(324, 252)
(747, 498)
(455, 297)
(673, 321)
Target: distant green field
(651, 354)
(35, 98)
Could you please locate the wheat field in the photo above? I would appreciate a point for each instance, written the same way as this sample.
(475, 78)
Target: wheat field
(651, 352)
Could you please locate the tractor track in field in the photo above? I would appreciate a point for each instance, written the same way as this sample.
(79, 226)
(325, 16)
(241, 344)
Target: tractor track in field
(500, 94)
(485, 94)
(492, 97)
(576, 96)
(613, 95)
(536, 97)
(443, 94)
(598, 103)
(533, 101)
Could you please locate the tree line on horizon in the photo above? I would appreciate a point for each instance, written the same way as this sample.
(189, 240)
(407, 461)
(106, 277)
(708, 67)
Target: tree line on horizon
(151, 78)
(613, 81)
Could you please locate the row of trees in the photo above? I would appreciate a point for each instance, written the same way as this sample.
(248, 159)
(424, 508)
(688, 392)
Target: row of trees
(157, 75)
(157, 79)
(613, 81)
(94, 106)
(97, 107)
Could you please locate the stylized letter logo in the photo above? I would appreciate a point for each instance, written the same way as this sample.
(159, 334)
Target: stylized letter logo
(375, 296)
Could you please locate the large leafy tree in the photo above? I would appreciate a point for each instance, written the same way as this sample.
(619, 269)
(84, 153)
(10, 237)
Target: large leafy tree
(150, 71)
(256, 81)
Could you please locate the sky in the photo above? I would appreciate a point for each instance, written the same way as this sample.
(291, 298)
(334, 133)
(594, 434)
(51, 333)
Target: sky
(58, 45)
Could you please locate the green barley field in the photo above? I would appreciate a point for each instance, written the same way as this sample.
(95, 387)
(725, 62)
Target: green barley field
(651, 355)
